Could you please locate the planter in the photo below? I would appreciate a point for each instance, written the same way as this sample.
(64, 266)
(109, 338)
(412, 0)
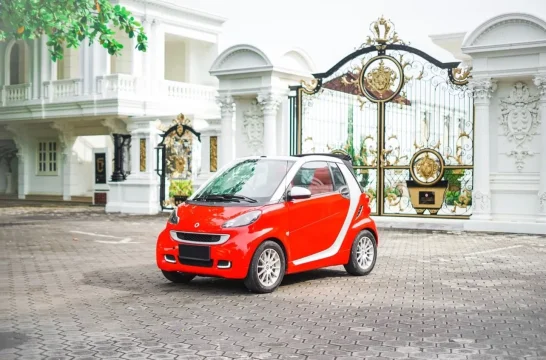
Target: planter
(427, 197)
(179, 199)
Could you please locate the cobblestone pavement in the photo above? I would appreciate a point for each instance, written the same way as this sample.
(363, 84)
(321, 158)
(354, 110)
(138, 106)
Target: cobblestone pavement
(66, 293)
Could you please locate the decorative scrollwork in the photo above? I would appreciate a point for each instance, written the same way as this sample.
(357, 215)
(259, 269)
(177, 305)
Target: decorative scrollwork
(459, 148)
(461, 75)
(427, 167)
(391, 156)
(310, 86)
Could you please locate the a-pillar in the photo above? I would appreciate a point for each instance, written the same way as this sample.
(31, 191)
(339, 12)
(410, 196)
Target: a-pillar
(66, 139)
(481, 194)
(270, 104)
(227, 109)
(540, 82)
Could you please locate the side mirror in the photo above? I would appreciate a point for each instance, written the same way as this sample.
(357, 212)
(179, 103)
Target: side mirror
(298, 192)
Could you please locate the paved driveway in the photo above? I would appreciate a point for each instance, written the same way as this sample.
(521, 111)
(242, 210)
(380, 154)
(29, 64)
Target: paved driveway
(76, 283)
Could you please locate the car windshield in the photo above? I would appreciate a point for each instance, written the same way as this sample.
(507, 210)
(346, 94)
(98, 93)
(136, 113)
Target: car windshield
(248, 181)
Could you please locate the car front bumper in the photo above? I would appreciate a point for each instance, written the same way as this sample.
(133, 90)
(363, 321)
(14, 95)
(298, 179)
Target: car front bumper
(227, 260)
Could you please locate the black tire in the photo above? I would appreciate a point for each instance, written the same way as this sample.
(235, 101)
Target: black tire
(252, 282)
(178, 277)
(353, 267)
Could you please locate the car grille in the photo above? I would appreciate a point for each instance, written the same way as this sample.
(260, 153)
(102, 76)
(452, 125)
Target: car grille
(203, 238)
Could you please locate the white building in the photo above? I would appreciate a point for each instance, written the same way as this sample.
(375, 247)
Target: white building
(57, 116)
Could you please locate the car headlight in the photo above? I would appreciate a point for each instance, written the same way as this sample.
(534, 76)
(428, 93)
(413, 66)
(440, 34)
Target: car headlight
(243, 220)
(173, 218)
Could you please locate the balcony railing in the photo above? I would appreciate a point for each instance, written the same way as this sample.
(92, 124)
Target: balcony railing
(178, 90)
(118, 84)
(62, 89)
(15, 93)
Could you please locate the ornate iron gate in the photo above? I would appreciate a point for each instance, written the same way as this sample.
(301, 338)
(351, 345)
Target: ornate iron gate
(174, 160)
(404, 117)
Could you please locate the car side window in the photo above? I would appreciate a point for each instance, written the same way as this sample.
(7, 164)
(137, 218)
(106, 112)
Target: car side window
(339, 179)
(315, 176)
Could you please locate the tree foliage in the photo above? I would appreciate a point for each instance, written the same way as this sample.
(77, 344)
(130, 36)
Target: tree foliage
(69, 23)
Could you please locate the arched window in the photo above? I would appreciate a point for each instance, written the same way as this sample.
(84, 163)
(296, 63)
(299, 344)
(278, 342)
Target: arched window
(18, 64)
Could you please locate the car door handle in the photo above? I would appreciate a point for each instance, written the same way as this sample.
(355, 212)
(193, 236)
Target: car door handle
(344, 191)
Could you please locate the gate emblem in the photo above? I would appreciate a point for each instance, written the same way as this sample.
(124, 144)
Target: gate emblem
(196, 225)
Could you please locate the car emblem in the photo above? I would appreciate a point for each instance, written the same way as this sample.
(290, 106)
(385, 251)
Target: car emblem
(196, 225)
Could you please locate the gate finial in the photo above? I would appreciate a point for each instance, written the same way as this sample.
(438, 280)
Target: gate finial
(383, 33)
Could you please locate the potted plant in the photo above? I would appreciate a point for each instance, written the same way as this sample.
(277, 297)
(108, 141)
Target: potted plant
(180, 190)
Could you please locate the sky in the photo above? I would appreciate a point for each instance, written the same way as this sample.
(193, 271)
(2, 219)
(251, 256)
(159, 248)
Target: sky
(328, 30)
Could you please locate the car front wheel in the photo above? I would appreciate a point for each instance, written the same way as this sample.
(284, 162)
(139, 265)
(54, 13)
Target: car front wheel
(178, 277)
(363, 254)
(266, 269)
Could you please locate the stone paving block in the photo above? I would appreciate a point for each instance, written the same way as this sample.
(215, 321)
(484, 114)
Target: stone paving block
(432, 295)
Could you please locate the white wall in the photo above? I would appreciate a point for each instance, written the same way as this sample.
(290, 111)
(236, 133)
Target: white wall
(122, 63)
(514, 191)
(175, 61)
(69, 66)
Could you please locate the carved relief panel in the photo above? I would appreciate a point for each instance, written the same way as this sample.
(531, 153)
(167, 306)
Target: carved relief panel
(520, 121)
(253, 128)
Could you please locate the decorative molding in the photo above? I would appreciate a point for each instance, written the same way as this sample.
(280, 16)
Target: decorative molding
(540, 83)
(269, 103)
(542, 200)
(482, 88)
(520, 121)
(481, 201)
(500, 20)
(115, 126)
(18, 138)
(227, 105)
(503, 23)
(66, 136)
(520, 156)
(253, 125)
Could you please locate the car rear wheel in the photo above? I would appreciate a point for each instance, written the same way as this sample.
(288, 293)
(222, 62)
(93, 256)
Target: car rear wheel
(178, 277)
(363, 254)
(266, 269)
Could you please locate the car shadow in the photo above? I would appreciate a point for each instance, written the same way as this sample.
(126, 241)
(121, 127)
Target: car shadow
(142, 280)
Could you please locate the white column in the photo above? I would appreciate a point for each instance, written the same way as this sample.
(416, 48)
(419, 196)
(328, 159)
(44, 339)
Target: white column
(227, 109)
(66, 139)
(143, 129)
(270, 103)
(35, 69)
(147, 58)
(22, 180)
(481, 194)
(86, 63)
(540, 82)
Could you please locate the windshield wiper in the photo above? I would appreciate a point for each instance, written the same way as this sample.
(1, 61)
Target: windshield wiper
(227, 197)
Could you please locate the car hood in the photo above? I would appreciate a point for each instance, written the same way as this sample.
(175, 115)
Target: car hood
(200, 218)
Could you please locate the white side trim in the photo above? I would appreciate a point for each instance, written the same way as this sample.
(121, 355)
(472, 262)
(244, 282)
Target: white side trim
(353, 205)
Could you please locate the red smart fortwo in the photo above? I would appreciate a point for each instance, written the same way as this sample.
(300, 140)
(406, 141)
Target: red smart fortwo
(262, 217)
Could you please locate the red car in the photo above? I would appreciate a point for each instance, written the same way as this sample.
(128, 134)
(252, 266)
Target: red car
(260, 218)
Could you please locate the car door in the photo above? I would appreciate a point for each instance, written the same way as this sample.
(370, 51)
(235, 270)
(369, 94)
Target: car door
(339, 205)
(310, 221)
